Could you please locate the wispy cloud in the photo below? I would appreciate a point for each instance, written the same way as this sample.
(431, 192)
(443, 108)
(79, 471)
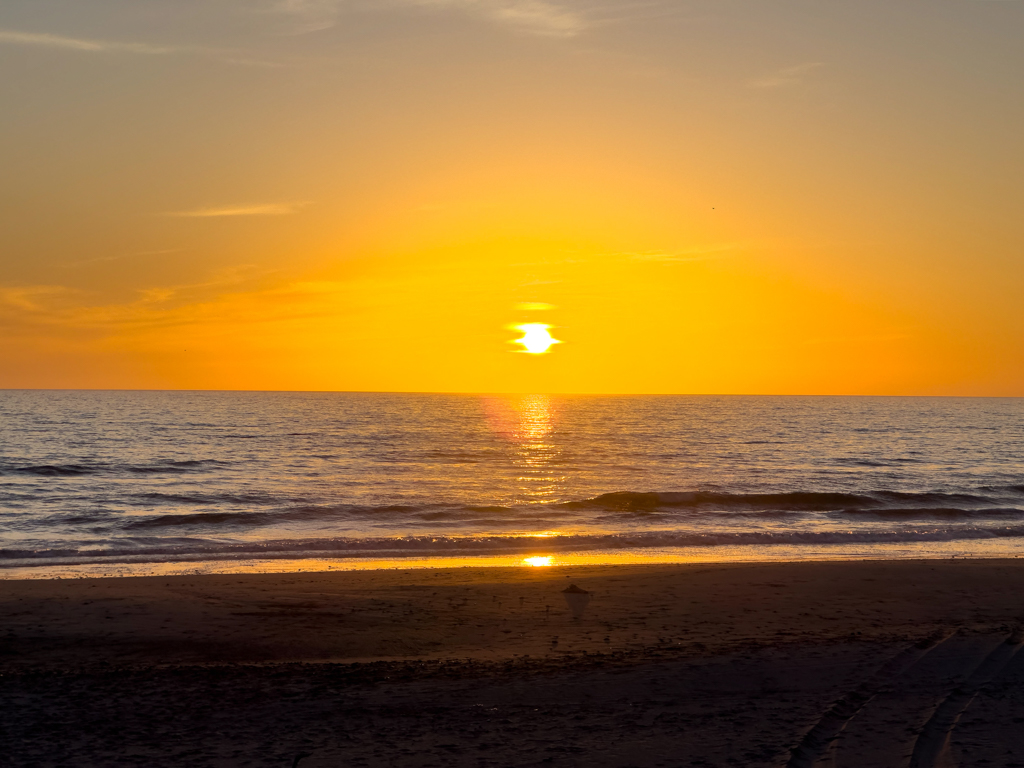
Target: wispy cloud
(306, 15)
(78, 44)
(536, 16)
(541, 17)
(121, 256)
(272, 209)
(249, 62)
(87, 45)
(232, 296)
(31, 298)
(786, 77)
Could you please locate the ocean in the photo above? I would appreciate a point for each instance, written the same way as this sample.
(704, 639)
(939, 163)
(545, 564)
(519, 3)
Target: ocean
(120, 483)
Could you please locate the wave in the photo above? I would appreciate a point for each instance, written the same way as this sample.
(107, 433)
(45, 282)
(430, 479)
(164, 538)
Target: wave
(861, 462)
(908, 513)
(78, 469)
(416, 516)
(439, 546)
(406, 512)
(55, 470)
(931, 498)
(174, 467)
(692, 509)
(208, 498)
(799, 501)
(630, 500)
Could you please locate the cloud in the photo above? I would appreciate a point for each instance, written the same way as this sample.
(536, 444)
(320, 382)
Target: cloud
(85, 45)
(78, 44)
(534, 306)
(120, 256)
(232, 299)
(540, 17)
(248, 62)
(272, 209)
(63, 310)
(306, 15)
(786, 77)
(30, 298)
(536, 16)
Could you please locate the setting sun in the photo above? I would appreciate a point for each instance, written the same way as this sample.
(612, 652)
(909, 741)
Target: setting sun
(536, 338)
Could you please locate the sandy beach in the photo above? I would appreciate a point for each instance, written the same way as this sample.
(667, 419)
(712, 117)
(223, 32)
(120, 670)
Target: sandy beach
(885, 663)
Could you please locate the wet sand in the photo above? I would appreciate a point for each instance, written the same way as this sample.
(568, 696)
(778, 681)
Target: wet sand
(898, 663)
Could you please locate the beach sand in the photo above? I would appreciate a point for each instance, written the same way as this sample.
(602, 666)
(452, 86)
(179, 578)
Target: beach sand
(871, 663)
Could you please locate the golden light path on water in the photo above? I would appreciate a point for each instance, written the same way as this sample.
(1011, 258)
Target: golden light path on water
(526, 424)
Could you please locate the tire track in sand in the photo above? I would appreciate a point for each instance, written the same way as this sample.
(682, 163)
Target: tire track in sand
(816, 742)
(931, 749)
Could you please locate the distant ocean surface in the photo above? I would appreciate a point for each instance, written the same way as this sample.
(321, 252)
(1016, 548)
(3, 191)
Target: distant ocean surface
(143, 478)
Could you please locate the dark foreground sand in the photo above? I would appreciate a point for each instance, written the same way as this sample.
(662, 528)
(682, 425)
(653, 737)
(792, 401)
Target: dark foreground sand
(802, 664)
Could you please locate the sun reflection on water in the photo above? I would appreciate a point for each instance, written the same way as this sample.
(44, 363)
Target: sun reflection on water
(527, 425)
(539, 561)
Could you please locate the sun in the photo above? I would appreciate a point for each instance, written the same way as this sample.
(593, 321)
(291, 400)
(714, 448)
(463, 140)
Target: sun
(536, 338)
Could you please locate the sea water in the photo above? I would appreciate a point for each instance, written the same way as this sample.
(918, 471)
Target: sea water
(138, 479)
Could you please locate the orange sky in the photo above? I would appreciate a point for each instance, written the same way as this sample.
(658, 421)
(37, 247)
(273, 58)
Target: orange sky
(709, 197)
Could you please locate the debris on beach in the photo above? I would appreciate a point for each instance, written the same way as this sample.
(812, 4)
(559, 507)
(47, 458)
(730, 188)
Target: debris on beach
(577, 599)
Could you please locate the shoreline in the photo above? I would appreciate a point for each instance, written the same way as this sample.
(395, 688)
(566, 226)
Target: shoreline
(322, 562)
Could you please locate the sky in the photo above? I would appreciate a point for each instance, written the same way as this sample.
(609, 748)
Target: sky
(697, 196)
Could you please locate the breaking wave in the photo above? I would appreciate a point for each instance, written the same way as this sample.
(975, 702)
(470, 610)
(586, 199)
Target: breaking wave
(796, 500)
(440, 546)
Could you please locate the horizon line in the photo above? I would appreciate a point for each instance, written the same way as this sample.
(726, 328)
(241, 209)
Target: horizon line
(497, 393)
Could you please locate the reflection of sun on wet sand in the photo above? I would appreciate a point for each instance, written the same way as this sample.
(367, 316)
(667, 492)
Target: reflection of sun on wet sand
(800, 664)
